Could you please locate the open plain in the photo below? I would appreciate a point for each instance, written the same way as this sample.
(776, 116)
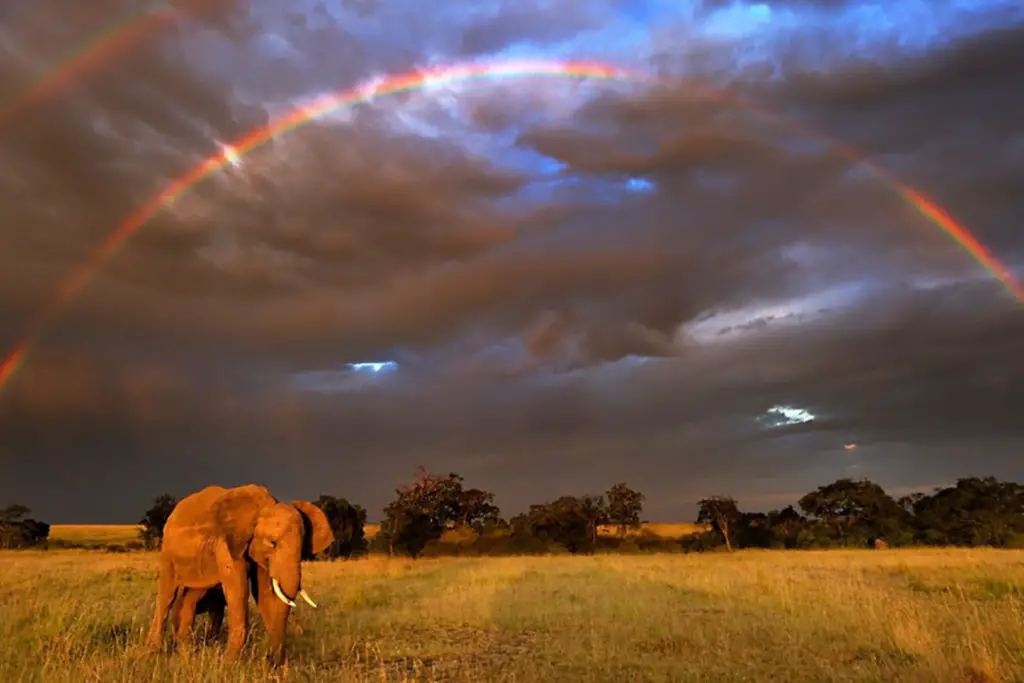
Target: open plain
(899, 615)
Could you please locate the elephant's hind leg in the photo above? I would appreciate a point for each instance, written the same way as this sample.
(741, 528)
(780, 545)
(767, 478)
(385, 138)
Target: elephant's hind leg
(165, 594)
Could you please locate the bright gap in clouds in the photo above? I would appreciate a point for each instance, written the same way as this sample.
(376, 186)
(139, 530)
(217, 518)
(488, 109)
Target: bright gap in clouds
(738, 21)
(783, 416)
(729, 324)
(355, 376)
(640, 185)
(374, 367)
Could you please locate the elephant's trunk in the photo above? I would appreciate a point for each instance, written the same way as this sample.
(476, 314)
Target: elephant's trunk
(286, 577)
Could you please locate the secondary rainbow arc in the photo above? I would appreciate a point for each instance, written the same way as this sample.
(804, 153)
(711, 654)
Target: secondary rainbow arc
(119, 38)
(421, 78)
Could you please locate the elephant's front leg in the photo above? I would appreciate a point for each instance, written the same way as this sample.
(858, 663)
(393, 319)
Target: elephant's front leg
(235, 585)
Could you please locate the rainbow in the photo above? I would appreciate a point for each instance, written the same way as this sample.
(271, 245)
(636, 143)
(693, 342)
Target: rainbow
(100, 50)
(445, 75)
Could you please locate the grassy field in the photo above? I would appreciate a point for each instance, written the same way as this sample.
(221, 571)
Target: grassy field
(912, 615)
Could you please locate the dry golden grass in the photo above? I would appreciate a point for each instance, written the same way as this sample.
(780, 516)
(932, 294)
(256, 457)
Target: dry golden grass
(894, 616)
(95, 534)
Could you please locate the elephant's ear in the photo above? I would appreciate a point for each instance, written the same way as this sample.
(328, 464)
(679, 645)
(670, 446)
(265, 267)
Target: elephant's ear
(235, 514)
(318, 534)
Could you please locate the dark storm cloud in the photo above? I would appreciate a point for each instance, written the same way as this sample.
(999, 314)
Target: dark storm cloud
(958, 102)
(990, 62)
(544, 321)
(102, 145)
(885, 109)
(894, 377)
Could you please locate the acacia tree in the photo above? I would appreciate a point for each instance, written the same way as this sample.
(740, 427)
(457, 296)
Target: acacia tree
(852, 512)
(624, 507)
(432, 503)
(722, 513)
(154, 519)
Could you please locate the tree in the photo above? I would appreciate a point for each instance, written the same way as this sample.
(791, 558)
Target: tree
(974, 512)
(596, 511)
(753, 531)
(348, 523)
(432, 503)
(624, 507)
(476, 509)
(722, 513)
(18, 530)
(562, 521)
(407, 529)
(434, 495)
(785, 525)
(154, 519)
(13, 514)
(910, 501)
(856, 512)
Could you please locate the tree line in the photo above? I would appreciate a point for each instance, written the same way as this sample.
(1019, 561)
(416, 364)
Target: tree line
(437, 514)
(18, 530)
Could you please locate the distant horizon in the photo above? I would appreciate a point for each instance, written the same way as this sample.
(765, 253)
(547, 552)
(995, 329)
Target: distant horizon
(746, 508)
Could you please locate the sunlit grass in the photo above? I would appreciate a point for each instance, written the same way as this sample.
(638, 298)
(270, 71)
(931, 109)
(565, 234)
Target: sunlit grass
(901, 615)
(95, 534)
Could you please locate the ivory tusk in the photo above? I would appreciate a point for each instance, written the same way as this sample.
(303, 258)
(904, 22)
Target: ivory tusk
(280, 594)
(305, 596)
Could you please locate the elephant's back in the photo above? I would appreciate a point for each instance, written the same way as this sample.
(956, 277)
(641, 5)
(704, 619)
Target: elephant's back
(195, 507)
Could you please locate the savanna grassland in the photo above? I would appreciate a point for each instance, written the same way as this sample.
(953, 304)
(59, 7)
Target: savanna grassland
(898, 615)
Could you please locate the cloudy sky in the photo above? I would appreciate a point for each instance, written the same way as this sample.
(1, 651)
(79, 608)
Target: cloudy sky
(563, 282)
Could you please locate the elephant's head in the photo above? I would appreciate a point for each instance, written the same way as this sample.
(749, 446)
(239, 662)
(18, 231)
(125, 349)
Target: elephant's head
(276, 536)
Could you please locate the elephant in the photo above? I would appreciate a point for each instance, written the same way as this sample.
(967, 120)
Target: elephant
(227, 541)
